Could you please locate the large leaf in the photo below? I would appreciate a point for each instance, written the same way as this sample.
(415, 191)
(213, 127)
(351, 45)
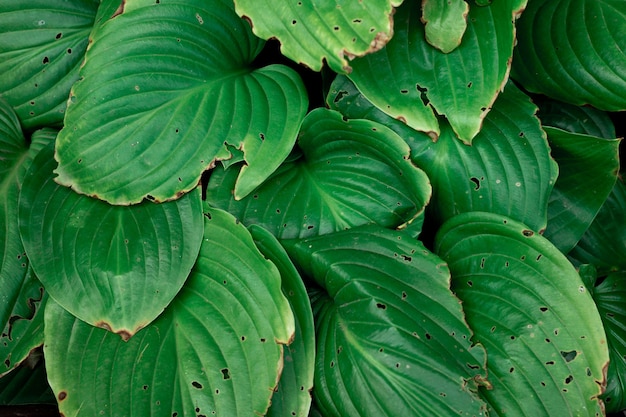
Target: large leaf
(604, 242)
(216, 350)
(409, 77)
(610, 297)
(42, 44)
(292, 396)
(157, 105)
(573, 51)
(21, 293)
(391, 337)
(323, 30)
(445, 22)
(344, 174)
(576, 119)
(490, 175)
(546, 347)
(115, 267)
(588, 168)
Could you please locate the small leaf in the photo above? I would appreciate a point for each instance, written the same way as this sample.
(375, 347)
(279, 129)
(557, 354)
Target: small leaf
(573, 51)
(343, 174)
(216, 350)
(528, 306)
(124, 263)
(445, 22)
(391, 337)
(588, 168)
(324, 30)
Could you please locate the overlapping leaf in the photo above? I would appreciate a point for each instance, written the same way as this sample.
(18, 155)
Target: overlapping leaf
(155, 106)
(391, 337)
(576, 119)
(527, 305)
(573, 51)
(588, 168)
(491, 174)
(326, 30)
(410, 79)
(344, 174)
(123, 263)
(42, 44)
(216, 350)
(292, 396)
(27, 384)
(445, 22)
(21, 294)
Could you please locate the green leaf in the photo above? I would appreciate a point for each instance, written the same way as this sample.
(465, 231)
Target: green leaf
(344, 173)
(527, 305)
(604, 242)
(124, 263)
(27, 384)
(157, 105)
(610, 297)
(588, 168)
(576, 119)
(42, 44)
(292, 396)
(491, 174)
(445, 22)
(409, 77)
(573, 51)
(391, 337)
(21, 295)
(324, 30)
(216, 350)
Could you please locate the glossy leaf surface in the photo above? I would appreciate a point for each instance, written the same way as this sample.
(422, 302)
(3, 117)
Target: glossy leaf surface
(576, 119)
(157, 105)
(445, 22)
(42, 44)
(527, 305)
(573, 51)
(322, 30)
(344, 174)
(216, 350)
(391, 337)
(124, 263)
(409, 77)
(588, 168)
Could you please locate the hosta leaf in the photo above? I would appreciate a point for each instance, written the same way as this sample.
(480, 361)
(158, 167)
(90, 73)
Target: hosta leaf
(216, 350)
(391, 337)
(491, 174)
(445, 22)
(573, 51)
(124, 263)
(322, 30)
(344, 174)
(42, 44)
(292, 396)
(604, 242)
(21, 293)
(157, 105)
(576, 119)
(588, 168)
(409, 77)
(27, 384)
(527, 305)
(610, 297)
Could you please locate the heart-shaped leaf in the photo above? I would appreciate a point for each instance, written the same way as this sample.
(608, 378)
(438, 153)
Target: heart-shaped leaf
(491, 174)
(445, 22)
(216, 350)
(344, 174)
(157, 105)
(292, 396)
(573, 51)
(391, 337)
(588, 168)
(324, 30)
(576, 119)
(604, 242)
(42, 44)
(409, 77)
(546, 347)
(115, 267)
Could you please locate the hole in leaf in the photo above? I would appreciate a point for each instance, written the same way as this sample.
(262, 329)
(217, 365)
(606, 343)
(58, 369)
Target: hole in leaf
(428, 336)
(527, 233)
(381, 306)
(569, 355)
(59, 35)
(569, 379)
(294, 21)
(550, 363)
(476, 182)
(263, 340)
(225, 373)
(45, 60)
(145, 387)
(423, 95)
(470, 283)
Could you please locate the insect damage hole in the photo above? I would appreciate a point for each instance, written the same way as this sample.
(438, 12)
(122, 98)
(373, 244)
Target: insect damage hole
(225, 373)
